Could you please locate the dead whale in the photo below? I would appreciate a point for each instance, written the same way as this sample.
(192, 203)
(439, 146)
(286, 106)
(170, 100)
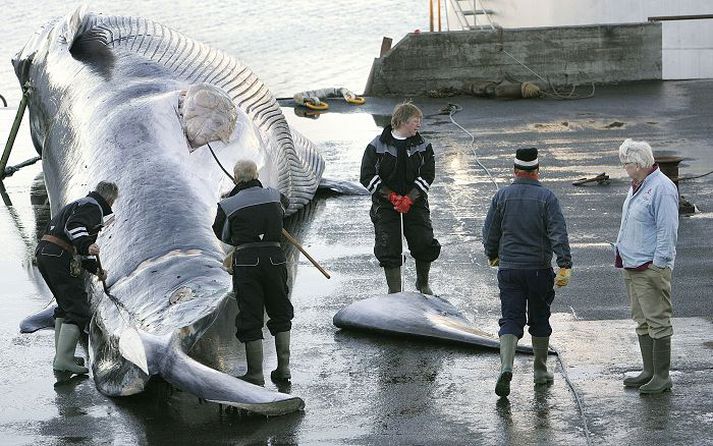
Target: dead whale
(106, 101)
(415, 314)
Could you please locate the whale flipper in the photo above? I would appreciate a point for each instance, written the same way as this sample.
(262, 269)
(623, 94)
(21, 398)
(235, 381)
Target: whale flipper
(167, 359)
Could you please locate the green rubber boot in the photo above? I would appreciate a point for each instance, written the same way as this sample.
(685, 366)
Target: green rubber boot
(57, 327)
(661, 381)
(282, 347)
(646, 344)
(422, 270)
(66, 344)
(541, 347)
(393, 279)
(253, 355)
(508, 344)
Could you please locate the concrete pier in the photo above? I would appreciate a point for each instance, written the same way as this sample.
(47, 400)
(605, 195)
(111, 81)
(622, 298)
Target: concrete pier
(573, 55)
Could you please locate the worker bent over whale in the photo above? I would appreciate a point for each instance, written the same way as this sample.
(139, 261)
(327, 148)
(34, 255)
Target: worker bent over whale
(67, 248)
(398, 168)
(250, 218)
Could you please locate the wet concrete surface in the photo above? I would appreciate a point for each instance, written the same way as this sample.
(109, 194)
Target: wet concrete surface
(371, 389)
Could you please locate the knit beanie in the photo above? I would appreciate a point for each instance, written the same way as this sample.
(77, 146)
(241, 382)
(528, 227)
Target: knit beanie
(526, 159)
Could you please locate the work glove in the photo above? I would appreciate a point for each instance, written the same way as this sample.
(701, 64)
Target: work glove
(494, 262)
(404, 204)
(394, 198)
(562, 277)
(102, 275)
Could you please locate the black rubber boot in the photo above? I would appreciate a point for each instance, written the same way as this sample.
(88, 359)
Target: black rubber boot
(253, 355)
(422, 270)
(282, 347)
(393, 279)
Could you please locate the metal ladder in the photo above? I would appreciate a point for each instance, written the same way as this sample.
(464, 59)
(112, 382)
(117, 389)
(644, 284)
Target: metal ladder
(472, 14)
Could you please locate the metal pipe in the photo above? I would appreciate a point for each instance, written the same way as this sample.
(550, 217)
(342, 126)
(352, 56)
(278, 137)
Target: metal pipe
(13, 132)
(430, 14)
(439, 15)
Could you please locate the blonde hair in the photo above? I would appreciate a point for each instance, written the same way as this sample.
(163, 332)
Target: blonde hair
(403, 112)
(636, 152)
(244, 171)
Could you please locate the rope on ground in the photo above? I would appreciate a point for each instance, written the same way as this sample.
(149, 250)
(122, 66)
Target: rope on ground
(695, 176)
(452, 109)
(577, 398)
(554, 93)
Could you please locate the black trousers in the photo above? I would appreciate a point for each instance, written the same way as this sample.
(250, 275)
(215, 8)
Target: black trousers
(417, 230)
(525, 298)
(260, 285)
(70, 292)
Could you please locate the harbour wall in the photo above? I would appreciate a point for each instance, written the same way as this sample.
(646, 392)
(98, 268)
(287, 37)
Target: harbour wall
(573, 55)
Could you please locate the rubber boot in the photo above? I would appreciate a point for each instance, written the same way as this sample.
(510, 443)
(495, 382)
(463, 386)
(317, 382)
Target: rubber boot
(393, 279)
(66, 344)
(253, 355)
(661, 381)
(541, 348)
(282, 347)
(646, 344)
(57, 327)
(508, 344)
(422, 270)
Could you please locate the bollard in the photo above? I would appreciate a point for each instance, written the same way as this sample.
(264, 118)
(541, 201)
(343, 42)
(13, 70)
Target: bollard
(669, 167)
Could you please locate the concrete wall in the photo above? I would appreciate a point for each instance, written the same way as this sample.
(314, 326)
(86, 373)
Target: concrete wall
(687, 44)
(565, 55)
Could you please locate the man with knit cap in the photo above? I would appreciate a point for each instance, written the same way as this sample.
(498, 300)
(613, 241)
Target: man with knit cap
(524, 226)
(646, 250)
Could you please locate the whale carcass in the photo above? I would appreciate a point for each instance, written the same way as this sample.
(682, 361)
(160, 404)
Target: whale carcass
(418, 315)
(106, 97)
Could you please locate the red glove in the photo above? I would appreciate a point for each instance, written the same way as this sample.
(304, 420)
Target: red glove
(394, 198)
(404, 205)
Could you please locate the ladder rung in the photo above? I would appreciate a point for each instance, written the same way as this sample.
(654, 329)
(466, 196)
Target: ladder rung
(477, 11)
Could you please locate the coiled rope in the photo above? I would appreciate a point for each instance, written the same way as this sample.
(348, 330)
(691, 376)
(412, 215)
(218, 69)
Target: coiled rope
(452, 109)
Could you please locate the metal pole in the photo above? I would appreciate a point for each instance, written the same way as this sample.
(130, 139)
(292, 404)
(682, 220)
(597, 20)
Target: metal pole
(13, 132)
(430, 14)
(439, 15)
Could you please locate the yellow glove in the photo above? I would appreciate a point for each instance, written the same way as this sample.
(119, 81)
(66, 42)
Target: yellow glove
(494, 262)
(562, 278)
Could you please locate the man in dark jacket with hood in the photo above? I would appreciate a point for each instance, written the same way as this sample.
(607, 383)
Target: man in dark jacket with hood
(398, 168)
(68, 247)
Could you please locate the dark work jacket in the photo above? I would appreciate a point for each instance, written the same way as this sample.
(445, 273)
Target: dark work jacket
(79, 223)
(399, 165)
(524, 226)
(254, 214)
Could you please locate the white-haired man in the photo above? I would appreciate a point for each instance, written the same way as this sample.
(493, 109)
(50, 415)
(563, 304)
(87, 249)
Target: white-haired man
(646, 249)
(250, 218)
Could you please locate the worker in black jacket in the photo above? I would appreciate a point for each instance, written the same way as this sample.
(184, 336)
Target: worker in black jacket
(398, 168)
(250, 219)
(67, 248)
